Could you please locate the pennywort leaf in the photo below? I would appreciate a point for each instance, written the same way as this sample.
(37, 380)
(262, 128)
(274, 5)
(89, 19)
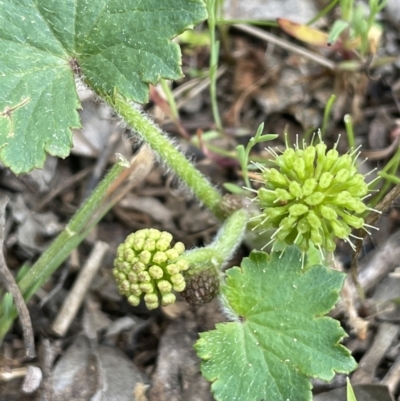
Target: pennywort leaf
(280, 337)
(122, 44)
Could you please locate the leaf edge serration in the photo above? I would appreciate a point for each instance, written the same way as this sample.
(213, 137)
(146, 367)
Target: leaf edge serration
(204, 349)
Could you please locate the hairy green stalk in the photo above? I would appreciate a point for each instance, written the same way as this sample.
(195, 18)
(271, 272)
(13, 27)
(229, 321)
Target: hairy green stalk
(167, 152)
(205, 272)
(221, 250)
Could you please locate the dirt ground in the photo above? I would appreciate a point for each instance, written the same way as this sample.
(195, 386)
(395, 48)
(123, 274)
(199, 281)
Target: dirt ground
(150, 353)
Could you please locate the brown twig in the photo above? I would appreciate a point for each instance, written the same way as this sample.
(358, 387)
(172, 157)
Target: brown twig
(269, 37)
(369, 363)
(392, 378)
(78, 292)
(64, 186)
(12, 287)
(382, 206)
(379, 154)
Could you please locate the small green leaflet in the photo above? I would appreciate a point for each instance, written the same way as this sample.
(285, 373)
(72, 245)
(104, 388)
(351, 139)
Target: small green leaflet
(338, 27)
(123, 44)
(349, 391)
(281, 337)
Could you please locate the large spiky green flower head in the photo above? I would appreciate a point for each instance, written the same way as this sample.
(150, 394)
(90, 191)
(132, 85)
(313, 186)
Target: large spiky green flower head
(311, 196)
(147, 266)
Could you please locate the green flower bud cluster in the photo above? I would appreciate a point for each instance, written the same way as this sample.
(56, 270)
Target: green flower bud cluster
(312, 196)
(146, 265)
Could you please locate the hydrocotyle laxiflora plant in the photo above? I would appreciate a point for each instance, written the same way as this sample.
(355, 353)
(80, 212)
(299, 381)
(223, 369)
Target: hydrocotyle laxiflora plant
(310, 196)
(277, 336)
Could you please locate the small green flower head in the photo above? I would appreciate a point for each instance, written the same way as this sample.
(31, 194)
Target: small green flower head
(146, 266)
(311, 196)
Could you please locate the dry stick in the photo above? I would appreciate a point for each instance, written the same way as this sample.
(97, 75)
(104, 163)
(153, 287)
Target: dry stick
(392, 378)
(379, 154)
(48, 355)
(196, 89)
(12, 287)
(286, 45)
(369, 362)
(16, 373)
(64, 186)
(382, 206)
(101, 162)
(60, 284)
(359, 325)
(75, 297)
(379, 265)
(140, 166)
(380, 262)
(373, 269)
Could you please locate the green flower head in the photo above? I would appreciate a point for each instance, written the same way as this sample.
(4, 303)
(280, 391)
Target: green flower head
(311, 196)
(146, 266)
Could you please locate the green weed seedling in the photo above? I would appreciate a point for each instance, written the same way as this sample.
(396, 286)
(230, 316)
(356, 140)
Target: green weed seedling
(357, 28)
(278, 334)
(355, 35)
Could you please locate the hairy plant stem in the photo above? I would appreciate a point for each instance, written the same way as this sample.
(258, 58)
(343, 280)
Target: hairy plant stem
(167, 152)
(89, 214)
(224, 245)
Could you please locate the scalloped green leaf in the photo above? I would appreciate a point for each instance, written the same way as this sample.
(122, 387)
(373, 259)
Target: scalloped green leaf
(279, 338)
(123, 44)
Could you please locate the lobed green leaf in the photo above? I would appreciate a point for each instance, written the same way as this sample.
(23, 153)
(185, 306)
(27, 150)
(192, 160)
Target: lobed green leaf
(123, 44)
(280, 337)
